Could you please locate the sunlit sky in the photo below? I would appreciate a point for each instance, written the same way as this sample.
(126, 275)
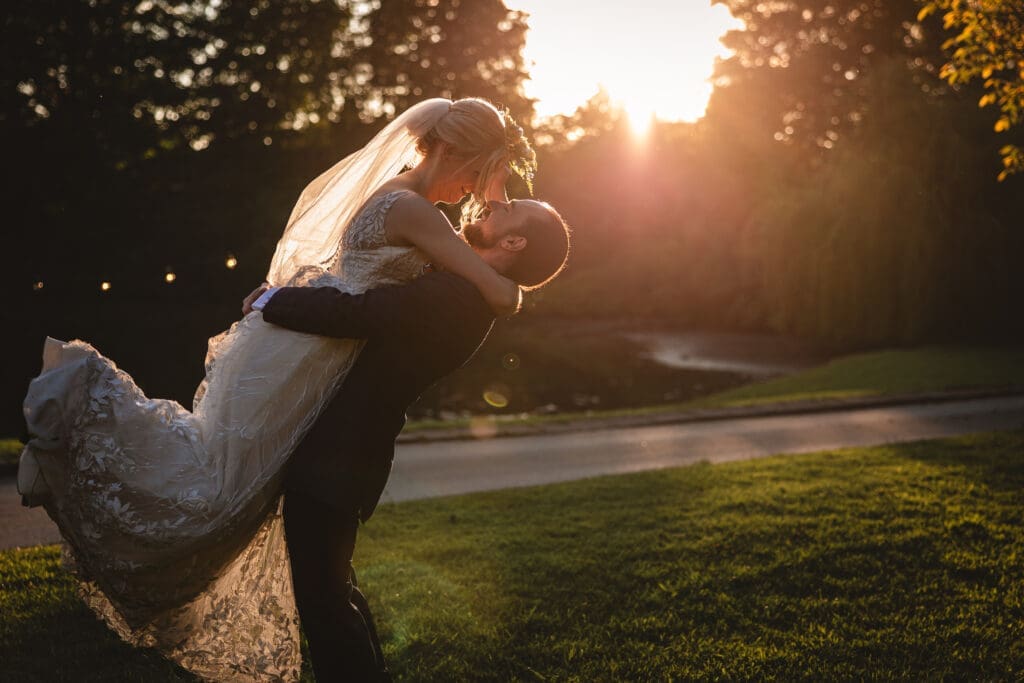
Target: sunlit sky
(653, 56)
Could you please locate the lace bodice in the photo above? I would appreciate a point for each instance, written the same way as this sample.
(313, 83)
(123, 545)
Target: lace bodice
(365, 259)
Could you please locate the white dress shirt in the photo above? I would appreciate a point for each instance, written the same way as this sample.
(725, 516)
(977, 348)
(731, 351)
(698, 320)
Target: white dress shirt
(264, 298)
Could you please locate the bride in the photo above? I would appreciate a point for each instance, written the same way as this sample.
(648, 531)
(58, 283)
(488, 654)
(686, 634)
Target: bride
(171, 518)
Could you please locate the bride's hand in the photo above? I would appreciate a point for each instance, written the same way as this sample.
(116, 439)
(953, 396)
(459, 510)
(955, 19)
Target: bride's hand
(415, 221)
(510, 301)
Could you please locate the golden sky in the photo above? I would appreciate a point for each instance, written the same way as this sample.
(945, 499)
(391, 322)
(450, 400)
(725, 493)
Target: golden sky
(653, 56)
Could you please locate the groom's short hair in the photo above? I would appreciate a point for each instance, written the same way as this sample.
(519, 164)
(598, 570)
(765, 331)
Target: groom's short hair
(546, 250)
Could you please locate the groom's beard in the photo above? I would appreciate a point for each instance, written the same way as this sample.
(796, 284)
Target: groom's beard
(474, 236)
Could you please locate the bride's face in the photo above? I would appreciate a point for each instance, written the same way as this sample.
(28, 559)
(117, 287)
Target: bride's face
(458, 175)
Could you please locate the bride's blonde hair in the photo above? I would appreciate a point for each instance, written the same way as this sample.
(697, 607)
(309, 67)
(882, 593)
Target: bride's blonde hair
(475, 128)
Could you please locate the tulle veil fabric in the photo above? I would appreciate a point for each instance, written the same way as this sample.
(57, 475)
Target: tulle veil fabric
(328, 204)
(172, 518)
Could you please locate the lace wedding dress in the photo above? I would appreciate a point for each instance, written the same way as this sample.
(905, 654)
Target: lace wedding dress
(172, 518)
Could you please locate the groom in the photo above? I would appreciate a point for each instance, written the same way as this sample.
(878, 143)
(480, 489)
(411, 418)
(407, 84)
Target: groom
(416, 333)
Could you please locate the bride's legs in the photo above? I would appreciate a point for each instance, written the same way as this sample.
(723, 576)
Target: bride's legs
(333, 613)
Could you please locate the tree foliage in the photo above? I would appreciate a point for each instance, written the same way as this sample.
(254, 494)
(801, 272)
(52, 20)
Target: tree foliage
(445, 48)
(887, 232)
(140, 78)
(136, 79)
(987, 45)
(807, 61)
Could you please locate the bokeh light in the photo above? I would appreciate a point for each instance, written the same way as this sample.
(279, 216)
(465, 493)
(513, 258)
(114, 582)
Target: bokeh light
(496, 397)
(105, 286)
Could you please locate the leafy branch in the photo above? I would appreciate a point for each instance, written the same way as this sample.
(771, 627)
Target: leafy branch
(988, 45)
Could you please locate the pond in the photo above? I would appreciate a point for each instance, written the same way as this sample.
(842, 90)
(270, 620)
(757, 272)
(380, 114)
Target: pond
(543, 365)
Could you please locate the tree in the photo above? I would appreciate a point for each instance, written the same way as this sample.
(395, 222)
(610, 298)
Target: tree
(595, 117)
(123, 82)
(988, 45)
(801, 64)
(414, 49)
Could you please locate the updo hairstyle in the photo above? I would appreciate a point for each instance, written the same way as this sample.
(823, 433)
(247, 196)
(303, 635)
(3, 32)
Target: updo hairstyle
(475, 128)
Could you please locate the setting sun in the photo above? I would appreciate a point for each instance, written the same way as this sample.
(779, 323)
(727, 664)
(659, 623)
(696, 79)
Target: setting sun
(654, 57)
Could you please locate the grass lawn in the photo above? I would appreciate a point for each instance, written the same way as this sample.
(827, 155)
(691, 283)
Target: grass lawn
(10, 450)
(899, 562)
(886, 373)
(881, 373)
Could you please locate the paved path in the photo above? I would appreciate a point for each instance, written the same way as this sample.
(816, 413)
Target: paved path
(425, 470)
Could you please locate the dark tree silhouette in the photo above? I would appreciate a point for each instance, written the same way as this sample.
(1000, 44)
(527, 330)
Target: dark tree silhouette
(127, 81)
(445, 48)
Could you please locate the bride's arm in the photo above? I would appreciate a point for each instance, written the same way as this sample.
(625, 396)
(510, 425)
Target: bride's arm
(414, 220)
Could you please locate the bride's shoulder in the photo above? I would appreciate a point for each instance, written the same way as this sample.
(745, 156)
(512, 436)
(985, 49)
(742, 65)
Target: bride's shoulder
(412, 212)
(410, 201)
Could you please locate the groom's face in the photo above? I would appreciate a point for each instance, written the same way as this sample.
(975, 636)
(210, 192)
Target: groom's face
(502, 219)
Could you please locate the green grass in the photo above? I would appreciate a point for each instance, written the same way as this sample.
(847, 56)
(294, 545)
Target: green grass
(901, 562)
(881, 373)
(885, 373)
(10, 451)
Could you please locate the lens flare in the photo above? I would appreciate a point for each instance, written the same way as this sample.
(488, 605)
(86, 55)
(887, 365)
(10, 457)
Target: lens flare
(495, 399)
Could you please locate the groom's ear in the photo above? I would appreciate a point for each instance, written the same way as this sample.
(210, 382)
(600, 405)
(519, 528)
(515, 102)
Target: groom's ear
(513, 243)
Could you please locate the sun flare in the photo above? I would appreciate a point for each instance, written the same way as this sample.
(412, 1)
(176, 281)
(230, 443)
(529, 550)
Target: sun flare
(640, 117)
(654, 57)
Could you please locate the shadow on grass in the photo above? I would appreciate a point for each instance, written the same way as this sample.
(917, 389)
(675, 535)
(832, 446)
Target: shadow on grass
(991, 460)
(49, 635)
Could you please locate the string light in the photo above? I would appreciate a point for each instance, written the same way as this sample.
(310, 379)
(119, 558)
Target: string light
(230, 262)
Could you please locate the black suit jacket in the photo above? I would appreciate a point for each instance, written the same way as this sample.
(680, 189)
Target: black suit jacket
(416, 333)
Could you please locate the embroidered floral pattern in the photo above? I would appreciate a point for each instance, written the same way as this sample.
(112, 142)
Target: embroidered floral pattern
(172, 518)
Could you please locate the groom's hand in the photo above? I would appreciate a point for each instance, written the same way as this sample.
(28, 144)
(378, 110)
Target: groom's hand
(248, 301)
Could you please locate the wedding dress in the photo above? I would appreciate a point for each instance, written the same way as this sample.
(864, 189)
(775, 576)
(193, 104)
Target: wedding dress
(172, 518)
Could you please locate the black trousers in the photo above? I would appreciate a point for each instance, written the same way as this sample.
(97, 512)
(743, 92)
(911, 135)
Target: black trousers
(334, 614)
